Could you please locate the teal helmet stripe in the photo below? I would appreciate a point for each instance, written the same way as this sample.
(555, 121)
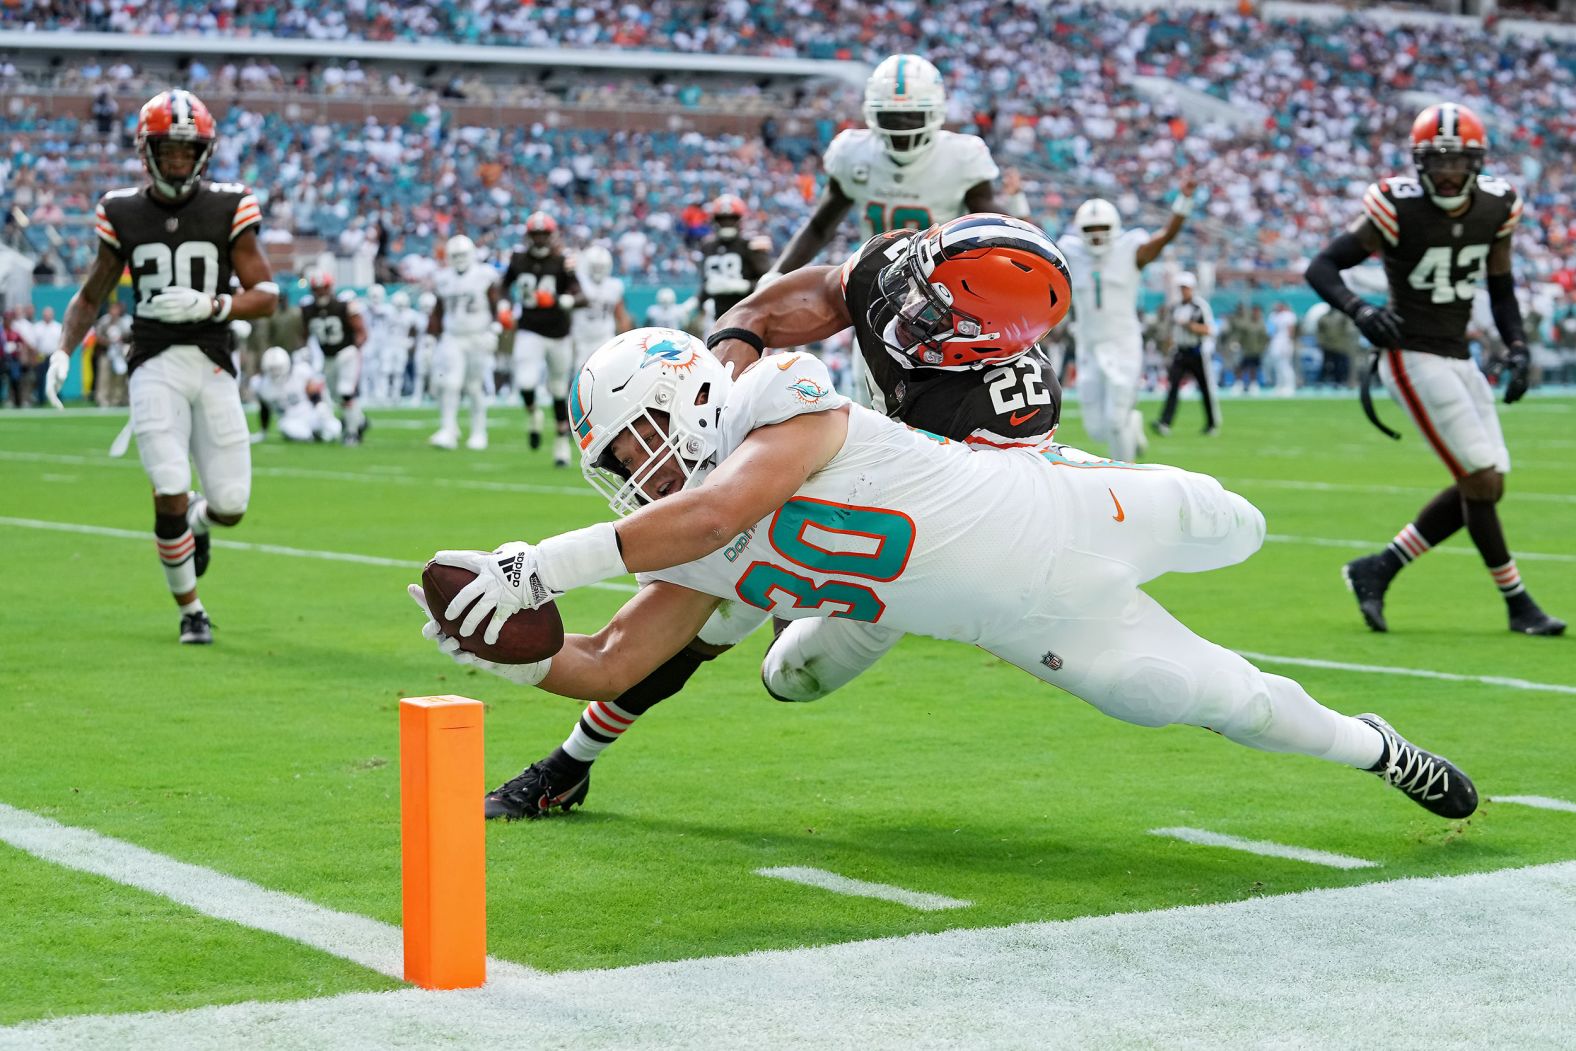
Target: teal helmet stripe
(576, 412)
(901, 76)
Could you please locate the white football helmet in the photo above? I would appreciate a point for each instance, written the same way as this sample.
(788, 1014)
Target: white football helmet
(276, 363)
(460, 252)
(400, 300)
(597, 262)
(427, 302)
(632, 376)
(905, 105)
(666, 297)
(377, 295)
(1099, 224)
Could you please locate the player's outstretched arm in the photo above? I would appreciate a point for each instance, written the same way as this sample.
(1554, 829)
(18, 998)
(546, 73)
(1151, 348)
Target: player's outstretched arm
(645, 633)
(1381, 326)
(803, 307)
(817, 230)
(1181, 208)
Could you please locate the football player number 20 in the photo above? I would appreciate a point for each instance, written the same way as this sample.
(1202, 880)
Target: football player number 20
(157, 266)
(830, 538)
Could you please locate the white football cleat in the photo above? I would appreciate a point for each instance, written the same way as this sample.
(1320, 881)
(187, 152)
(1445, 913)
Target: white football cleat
(444, 440)
(561, 451)
(477, 441)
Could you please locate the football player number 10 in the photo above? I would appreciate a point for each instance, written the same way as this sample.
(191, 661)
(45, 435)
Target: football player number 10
(877, 548)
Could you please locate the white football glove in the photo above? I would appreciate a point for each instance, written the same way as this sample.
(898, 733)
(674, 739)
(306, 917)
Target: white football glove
(566, 302)
(519, 674)
(507, 581)
(55, 377)
(176, 305)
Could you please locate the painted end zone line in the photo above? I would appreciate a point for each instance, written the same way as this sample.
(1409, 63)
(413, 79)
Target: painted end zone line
(242, 545)
(1419, 673)
(858, 888)
(1541, 802)
(359, 939)
(1259, 846)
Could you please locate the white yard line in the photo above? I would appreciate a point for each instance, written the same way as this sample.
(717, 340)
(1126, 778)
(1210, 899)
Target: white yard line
(1293, 971)
(1541, 802)
(1398, 490)
(242, 545)
(1371, 545)
(1417, 673)
(316, 474)
(1205, 838)
(858, 888)
(368, 942)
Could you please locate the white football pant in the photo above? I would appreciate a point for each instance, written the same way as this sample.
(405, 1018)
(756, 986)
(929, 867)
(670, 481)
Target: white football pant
(184, 408)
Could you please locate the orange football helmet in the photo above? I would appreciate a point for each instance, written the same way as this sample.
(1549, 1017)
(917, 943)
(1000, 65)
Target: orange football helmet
(976, 291)
(175, 116)
(540, 229)
(1449, 144)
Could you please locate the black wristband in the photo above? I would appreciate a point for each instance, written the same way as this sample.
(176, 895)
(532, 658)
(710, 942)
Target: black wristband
(743, 335)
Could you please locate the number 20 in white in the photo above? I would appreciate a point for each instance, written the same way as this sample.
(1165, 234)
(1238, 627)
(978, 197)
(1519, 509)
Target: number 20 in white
(177, 264)
(1433, 273)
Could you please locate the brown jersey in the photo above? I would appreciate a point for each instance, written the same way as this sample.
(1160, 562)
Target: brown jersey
(729, 271)
(534, 280)
(183, 243)
(1016, 403)
(1434, 261)
(329, 324)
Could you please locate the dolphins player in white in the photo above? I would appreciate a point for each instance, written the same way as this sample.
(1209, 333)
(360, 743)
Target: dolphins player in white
(599, 314)
(463, 319)
(405, 328)
(293, 392)
(375, 364)
(774, 489)
(900, 171)
(426, 348)
(1105, 262)
(668, 312)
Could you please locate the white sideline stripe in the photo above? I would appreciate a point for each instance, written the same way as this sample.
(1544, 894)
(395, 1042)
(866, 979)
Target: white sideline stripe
(1292, 970)
(1206, 838)
(1419, 673)
(858, 888)
(359, 939)
(1344, 487)
(1370, 545)
(1541, 802)
(314, 474)
(266, 549)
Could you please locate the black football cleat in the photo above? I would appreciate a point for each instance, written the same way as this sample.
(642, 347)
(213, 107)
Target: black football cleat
(1368, 578)
(200, 548)
(557, 781)
(1431, 781)
(196, 629)
(1531, 620)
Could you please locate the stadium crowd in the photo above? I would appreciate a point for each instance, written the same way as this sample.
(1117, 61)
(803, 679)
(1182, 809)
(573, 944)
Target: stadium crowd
(1050, 86)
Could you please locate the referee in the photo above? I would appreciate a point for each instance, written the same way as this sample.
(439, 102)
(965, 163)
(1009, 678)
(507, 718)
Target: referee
(1192, 323)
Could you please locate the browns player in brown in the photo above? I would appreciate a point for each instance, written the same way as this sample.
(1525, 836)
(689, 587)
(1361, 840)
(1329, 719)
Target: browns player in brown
(189, 244)
(1439, 234)
(540, 279)
(730, 264)
(336, 325)
(947, 320)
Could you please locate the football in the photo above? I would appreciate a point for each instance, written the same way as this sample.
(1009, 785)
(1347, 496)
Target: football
(529, 636)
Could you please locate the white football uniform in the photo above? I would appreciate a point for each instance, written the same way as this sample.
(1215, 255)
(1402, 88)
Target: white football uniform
(891, 196)
(300, 420)
(676, 316)
(1109, 338)
(405, 328)
(464, 357)
(374, 357)
(594, 320)
(1036, 557)
(185, 410)
(1452, 404)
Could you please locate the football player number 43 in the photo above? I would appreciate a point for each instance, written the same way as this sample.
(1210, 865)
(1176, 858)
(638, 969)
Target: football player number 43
(1435, 273)
(157, 266)
(830, 538)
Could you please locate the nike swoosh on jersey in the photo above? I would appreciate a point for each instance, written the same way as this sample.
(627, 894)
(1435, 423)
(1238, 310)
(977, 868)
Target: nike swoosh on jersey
(784, 366)
(1018, 421)
(1121, 515)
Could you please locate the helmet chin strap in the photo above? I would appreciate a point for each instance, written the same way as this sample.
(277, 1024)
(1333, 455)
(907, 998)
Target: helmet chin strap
(727, 233)
(541, 251)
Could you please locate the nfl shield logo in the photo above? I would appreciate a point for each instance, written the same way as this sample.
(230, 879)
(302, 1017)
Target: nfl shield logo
(171, 223)
(1051, 661)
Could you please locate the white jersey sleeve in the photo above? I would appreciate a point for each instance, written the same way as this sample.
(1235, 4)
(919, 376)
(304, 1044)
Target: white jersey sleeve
(775, 389)
(969, 158)
(843, 155)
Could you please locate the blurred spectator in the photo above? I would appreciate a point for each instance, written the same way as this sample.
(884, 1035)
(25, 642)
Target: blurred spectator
(1337, 337)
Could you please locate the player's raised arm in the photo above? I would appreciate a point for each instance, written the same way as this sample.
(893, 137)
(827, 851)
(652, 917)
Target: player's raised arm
(802, 307)
(1181, 208)
(813, 236)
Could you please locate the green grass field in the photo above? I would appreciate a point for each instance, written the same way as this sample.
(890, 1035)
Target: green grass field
(272, 756)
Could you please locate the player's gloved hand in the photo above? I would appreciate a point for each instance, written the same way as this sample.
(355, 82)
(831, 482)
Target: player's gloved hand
(566, 301)
(519, 674)
(1518, 362)
(177, 305)
(55, 377)
(1381, 326)
(507, 581)
(496, 328)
